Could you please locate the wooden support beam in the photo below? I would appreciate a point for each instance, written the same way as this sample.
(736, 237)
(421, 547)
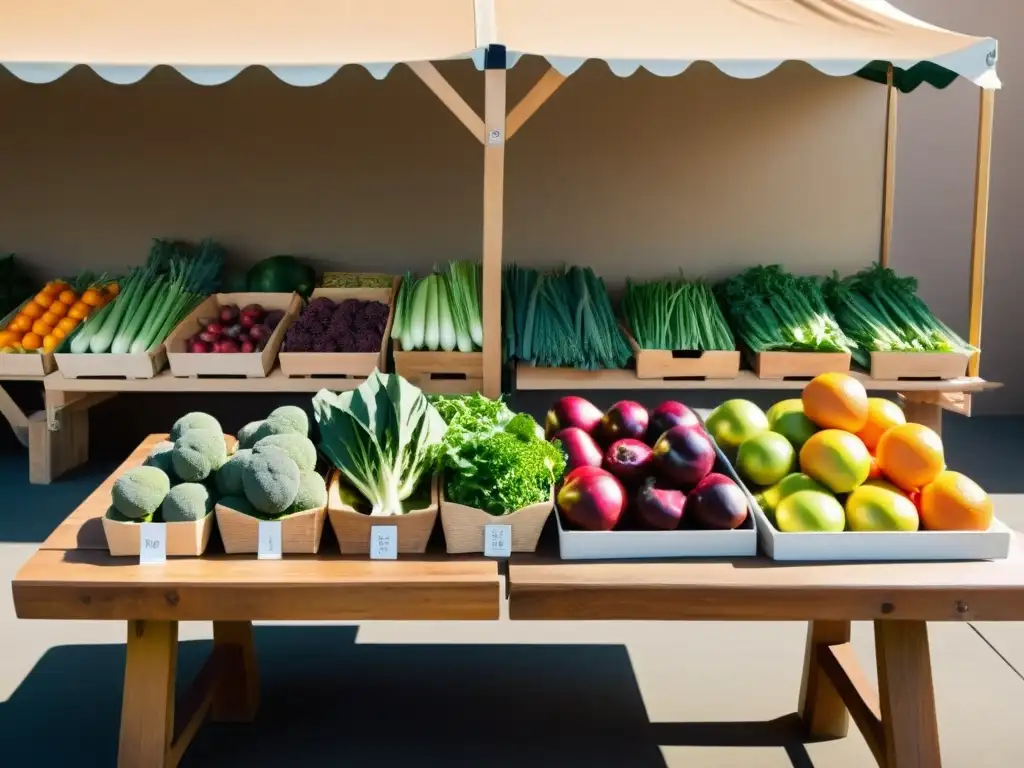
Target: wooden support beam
(889, 184)
(821, 707)
(147, 707)
(979, 238)
(238, 693)
(195, 705)
(15, 416)
(435, 81)
(494, 206)
(542, 90)
(839, 663)
(907, 699)
(923, 411)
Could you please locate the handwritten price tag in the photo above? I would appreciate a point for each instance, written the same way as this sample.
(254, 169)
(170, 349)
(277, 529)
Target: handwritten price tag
(152, 543)
(269, 547)
(384, 542)
(497, 540)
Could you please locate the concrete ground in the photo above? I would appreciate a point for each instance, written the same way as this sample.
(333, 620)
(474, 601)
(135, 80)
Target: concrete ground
(497, 694)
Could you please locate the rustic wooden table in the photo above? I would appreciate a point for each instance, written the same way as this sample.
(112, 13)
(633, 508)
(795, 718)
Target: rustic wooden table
(72, 577)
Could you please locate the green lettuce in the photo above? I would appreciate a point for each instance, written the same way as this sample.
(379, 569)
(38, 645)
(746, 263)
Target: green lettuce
(383, 437)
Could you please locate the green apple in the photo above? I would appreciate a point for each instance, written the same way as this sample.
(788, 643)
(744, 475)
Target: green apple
(788, 419)
(765, 459)
(733, 422)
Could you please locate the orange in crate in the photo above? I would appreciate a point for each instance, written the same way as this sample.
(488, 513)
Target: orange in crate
(954, 502)
(836, 401)
(58, 309)
(882, 415)
(32, 310)
(32, 341)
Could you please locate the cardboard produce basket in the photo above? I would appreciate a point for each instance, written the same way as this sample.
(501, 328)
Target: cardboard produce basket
(352, 528)
(249, 364)
(144, 365)
(798, 365)
(465, 527)
(893, 366)
(300, 531)
(357, 365)
(684, 364)
(441, 372)
(182, 540)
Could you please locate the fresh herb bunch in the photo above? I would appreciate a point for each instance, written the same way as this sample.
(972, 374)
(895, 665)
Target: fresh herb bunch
(771, 309)
(561, 319)
(493, 459)
(882, 312)
(675, 314)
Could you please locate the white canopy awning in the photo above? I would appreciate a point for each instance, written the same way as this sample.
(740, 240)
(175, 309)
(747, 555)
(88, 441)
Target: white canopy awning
(743, 38)
(303, 42)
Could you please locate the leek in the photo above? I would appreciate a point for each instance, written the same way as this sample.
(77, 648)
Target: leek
(445, 327)
(418, 317)
(431, 336)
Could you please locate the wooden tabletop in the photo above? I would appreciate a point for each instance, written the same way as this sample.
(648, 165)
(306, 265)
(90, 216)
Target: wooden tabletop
(73, 577)
(756, 588)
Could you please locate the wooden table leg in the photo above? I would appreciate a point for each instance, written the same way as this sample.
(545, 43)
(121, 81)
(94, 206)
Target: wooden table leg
(147, 709)
(821, 707)
(238, 692)
(906, 695)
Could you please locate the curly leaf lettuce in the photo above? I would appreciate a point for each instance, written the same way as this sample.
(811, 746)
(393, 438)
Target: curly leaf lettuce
(383, 437)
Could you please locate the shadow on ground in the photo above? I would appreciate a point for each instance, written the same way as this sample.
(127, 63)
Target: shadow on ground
(380, 705)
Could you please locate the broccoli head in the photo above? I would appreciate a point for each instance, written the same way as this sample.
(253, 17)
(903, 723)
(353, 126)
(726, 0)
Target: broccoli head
(239, 504)
(160, 457)
(117, 517)
(271, 481)
(194, 420)
(229, 477)
(139, 492)
(246, 435)
(288, 418)
(299, 448)
(186, 503)
(312, 493)
(198, 454)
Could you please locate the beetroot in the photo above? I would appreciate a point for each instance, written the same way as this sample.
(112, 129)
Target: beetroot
(247, 346)
(667, 415)
(660, 508)
(229, 314)
(259, 333)
(683, 456)
(209, 338)
(197, 346)
(583, 471)
(215, 328)
(572, 411)
(628, 459)
(594, 502)
(225, 346)
(580, 448)
(718, 503)
(624, 419)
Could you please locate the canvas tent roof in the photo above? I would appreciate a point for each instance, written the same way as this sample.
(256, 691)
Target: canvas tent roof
(304, 42)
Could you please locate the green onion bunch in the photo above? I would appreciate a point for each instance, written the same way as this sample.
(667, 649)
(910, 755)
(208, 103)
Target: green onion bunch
(675, 315)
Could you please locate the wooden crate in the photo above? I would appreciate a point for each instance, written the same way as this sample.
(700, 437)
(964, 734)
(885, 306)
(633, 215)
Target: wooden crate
(684, 364)
(465, 527)
(352, 528)
(798, 365)
(357, 365)
(893, 366)
(249, 364)
(24, 363)
(183, 539)
(441, 372)
(144, 365)
(300, 531)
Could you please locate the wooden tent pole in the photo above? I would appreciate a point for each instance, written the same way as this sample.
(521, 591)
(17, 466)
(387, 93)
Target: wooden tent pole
(979, 237)
(494, 205)
(889, 185)
(444, 91)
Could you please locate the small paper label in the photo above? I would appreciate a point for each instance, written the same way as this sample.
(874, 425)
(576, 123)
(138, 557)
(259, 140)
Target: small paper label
(497, 540)
(269, 547)
(384, 542)
(495, 137)
(152, 543)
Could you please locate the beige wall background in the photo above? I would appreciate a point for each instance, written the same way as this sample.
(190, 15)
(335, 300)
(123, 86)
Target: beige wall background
(636, 177)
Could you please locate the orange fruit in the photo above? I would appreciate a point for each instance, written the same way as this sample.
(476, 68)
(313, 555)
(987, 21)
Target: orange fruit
(43, 299)
(112, 288)
(910, 455)
(836, 459)
(58, 308)
(22, 323)
(50, 318)
(54, 288)
(875, 472)
(68, 297)
(68, 324)
(32, 310)
(32, 341)
(59, 333)
(50, 343)
(836, 401)
(882, 414)
(92, 297)
(43, 329)
(7, 338)
(79, 311)
(954, 502)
